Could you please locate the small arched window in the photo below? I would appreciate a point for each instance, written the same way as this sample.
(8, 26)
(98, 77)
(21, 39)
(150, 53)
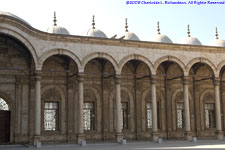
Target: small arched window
(3, 105)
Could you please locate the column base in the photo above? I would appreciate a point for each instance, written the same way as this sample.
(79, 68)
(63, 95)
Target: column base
(188, 135)
(219, 135)
(119, 137)
(37, 139)
(80, 138)
(155, 137)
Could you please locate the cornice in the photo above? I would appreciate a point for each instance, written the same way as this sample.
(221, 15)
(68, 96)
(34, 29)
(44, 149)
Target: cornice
(105, 41)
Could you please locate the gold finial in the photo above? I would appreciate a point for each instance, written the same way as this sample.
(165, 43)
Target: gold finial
(217, 34)
(158, 29)
(93, 22)
(126, 25)
(188, 30)
(55, 19)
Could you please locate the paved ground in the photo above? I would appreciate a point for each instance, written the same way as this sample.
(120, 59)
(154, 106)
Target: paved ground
(166, 145)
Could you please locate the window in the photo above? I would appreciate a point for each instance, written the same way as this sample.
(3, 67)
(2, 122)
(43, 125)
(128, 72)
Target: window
(149, 115)
(209, 115)
(180, 115)
(89, 116)
(51, 116)
(124, 113)
(3, 105)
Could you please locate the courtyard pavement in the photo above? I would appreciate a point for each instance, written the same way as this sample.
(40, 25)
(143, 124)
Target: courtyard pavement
(134, 145)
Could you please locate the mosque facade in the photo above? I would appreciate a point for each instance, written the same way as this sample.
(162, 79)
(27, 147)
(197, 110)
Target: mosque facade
(62, 88)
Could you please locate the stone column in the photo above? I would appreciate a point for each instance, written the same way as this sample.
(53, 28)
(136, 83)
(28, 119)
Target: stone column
(80, 130)
(187, 130)
(119, 135)
(219, 131)
(37, 109)
(155, 134)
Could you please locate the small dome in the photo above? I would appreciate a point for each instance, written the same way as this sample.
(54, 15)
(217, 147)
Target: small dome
(95, 32)
(57, 29)
(5, 13)
(161, 38)
(129, 35)
(190, 40)
(217, 42)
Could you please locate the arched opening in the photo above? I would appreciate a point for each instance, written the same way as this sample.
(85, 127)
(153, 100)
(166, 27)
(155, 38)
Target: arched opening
(169, 76)
(99, 76)
(222, 95)
(135, 78)
(16, 70)
(4, 122)
(58, 101)
(201, 78)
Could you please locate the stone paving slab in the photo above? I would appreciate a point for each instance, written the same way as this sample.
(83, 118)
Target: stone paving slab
(166, 145)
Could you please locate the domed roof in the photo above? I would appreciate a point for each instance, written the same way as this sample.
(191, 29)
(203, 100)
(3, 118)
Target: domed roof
(95, 32)
(217, 42)
(57, 29)
(130, 35)
(5, 13)
(161, 38)
(190, 40)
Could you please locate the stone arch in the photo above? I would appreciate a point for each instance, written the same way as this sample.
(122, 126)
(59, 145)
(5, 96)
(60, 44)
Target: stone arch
(124, 60)
(170, 58)
(201, 60)
(206, 91)
(106, 56)
(219, 68)
(52, 52)
(25, 41)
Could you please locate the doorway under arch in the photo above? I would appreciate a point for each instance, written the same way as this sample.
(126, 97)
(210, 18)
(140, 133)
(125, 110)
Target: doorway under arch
(4, 121)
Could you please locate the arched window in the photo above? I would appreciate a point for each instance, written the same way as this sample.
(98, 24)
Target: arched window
(89, 116)
(209, 111)
(51, 105)
(89, 110)
(179, 110)
(3, 105)
(125, 115)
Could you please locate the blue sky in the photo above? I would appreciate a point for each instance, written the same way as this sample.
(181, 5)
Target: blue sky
(76, 16)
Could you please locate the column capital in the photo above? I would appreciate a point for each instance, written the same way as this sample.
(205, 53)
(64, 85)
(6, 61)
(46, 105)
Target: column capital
(80, 77)
(185, 80)
(117, 79)
(216, 81)
(153, 79)
(37, 75)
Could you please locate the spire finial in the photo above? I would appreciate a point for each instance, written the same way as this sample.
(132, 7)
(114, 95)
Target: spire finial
(126, 25)
(158, 28)
(55, 19)
(217, 34)
(93, 22)
(188, 30)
